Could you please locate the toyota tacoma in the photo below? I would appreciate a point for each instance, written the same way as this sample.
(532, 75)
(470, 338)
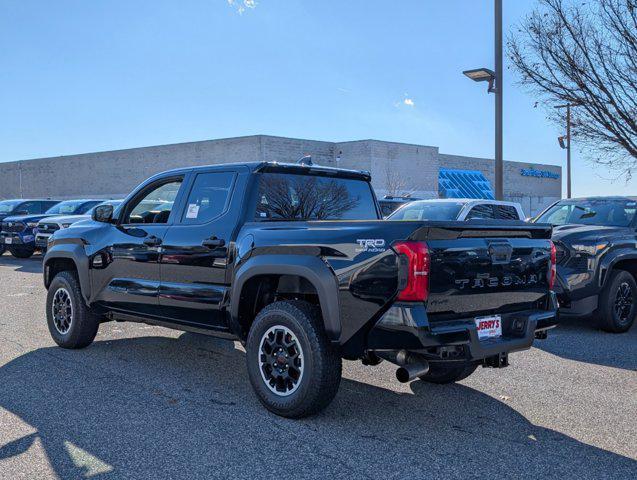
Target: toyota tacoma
(295, 262)
(596, 246)
(18, 232)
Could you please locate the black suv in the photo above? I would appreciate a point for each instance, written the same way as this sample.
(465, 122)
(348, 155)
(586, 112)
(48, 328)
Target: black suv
(596, 247)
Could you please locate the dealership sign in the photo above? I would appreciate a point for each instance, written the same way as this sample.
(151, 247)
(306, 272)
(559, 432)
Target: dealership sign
(532, 172)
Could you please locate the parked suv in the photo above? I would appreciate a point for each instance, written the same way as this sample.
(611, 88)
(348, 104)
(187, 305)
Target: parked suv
(49, 225)
(296, 263)
(459, 209)
(18, 234)
(9, 208)
(596, 248)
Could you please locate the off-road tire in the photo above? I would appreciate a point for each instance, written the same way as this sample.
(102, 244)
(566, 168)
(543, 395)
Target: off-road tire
(448, 372)
(321, 360)
(21, 252)
(610, 319)
(84, 322)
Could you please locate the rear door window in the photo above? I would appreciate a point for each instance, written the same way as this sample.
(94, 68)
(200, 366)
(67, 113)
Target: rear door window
(481, 211)
(208, 198)
(30, 207)
(290, 197)
(506, 212)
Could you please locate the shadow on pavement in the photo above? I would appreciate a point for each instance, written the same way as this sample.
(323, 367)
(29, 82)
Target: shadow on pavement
(160, 407)
(26, 265)
(579, 340)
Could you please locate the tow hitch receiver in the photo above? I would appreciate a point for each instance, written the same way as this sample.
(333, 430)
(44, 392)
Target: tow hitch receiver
(497, 361)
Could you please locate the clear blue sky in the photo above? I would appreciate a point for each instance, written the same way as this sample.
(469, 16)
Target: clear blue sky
(82, 76)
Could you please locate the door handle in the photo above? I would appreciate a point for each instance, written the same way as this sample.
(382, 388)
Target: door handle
(213, 242)
(152, 241)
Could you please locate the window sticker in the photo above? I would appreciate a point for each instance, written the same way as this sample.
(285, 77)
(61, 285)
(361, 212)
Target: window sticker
(193, 211)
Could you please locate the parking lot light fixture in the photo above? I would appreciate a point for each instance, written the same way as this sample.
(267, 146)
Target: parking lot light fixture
(482, 75)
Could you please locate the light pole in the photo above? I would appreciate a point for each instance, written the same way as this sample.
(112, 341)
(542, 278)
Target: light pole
(496, 85)
(567, 146)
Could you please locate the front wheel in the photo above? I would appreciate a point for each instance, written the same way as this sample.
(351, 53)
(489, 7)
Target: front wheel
(22, 252)
(71, 322)
(618, 302)
(294, 369)
(448, 372)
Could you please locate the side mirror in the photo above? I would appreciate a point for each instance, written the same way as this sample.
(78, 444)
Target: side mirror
(103, 213)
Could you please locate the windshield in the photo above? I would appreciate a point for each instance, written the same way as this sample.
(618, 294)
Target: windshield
(605, 212)
(66, 208)
(428, 211)
(8, 205)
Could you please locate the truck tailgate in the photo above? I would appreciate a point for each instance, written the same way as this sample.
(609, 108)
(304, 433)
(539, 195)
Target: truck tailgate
(490, 267)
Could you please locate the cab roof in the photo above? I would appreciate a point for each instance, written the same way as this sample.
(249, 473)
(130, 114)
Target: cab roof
(294, 168)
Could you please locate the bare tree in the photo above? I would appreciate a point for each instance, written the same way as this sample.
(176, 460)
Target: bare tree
(297, 197)
(585, 53)
(394, 181)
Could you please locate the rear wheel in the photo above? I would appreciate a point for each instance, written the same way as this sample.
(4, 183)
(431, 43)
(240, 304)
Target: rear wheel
(22, 251)
(294, 369)
(448, 372)
(618, 302)
(2, 248)
(71, 322)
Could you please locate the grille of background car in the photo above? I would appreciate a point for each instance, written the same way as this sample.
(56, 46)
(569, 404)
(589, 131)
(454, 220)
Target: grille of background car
(13, 227)
(48, 227)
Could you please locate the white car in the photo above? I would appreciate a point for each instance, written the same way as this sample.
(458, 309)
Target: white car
(48, 226)
(459, 209)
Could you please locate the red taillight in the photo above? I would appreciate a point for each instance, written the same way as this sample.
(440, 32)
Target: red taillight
(553, 268)
(415, 259)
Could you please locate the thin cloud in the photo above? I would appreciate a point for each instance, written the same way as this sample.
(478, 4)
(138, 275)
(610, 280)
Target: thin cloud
(407, 101)
(242, 5)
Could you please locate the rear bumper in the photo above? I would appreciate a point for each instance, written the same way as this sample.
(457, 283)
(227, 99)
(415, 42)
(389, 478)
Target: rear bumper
(407, 327)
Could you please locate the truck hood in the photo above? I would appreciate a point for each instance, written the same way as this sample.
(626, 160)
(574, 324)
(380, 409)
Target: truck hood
(26, 218)
(570, 233)
(62, 219)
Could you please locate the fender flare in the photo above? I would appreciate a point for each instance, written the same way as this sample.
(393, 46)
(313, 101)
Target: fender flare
(313, 269)
(74, 252)
(609, 261)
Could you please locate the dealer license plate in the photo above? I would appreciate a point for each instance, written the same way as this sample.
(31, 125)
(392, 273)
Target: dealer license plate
(489, 327)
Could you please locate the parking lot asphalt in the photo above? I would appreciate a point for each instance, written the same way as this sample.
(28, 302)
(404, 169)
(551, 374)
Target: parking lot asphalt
(147, 402)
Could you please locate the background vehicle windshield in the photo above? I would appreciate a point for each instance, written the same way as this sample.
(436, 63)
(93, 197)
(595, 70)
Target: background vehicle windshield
(115, 203)
(71, 207)
(427, 211)
(8, 205)
(291, 197)
(612, 213)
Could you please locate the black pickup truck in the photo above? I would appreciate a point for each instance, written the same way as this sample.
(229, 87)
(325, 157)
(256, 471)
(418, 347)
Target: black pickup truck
(296, 263)
(596, 245)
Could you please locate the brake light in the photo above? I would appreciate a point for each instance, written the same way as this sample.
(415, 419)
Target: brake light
(552, 273)
(414, 266)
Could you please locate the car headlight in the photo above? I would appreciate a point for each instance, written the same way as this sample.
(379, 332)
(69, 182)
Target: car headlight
(590, 248)
(66, 225)
(32, 224)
